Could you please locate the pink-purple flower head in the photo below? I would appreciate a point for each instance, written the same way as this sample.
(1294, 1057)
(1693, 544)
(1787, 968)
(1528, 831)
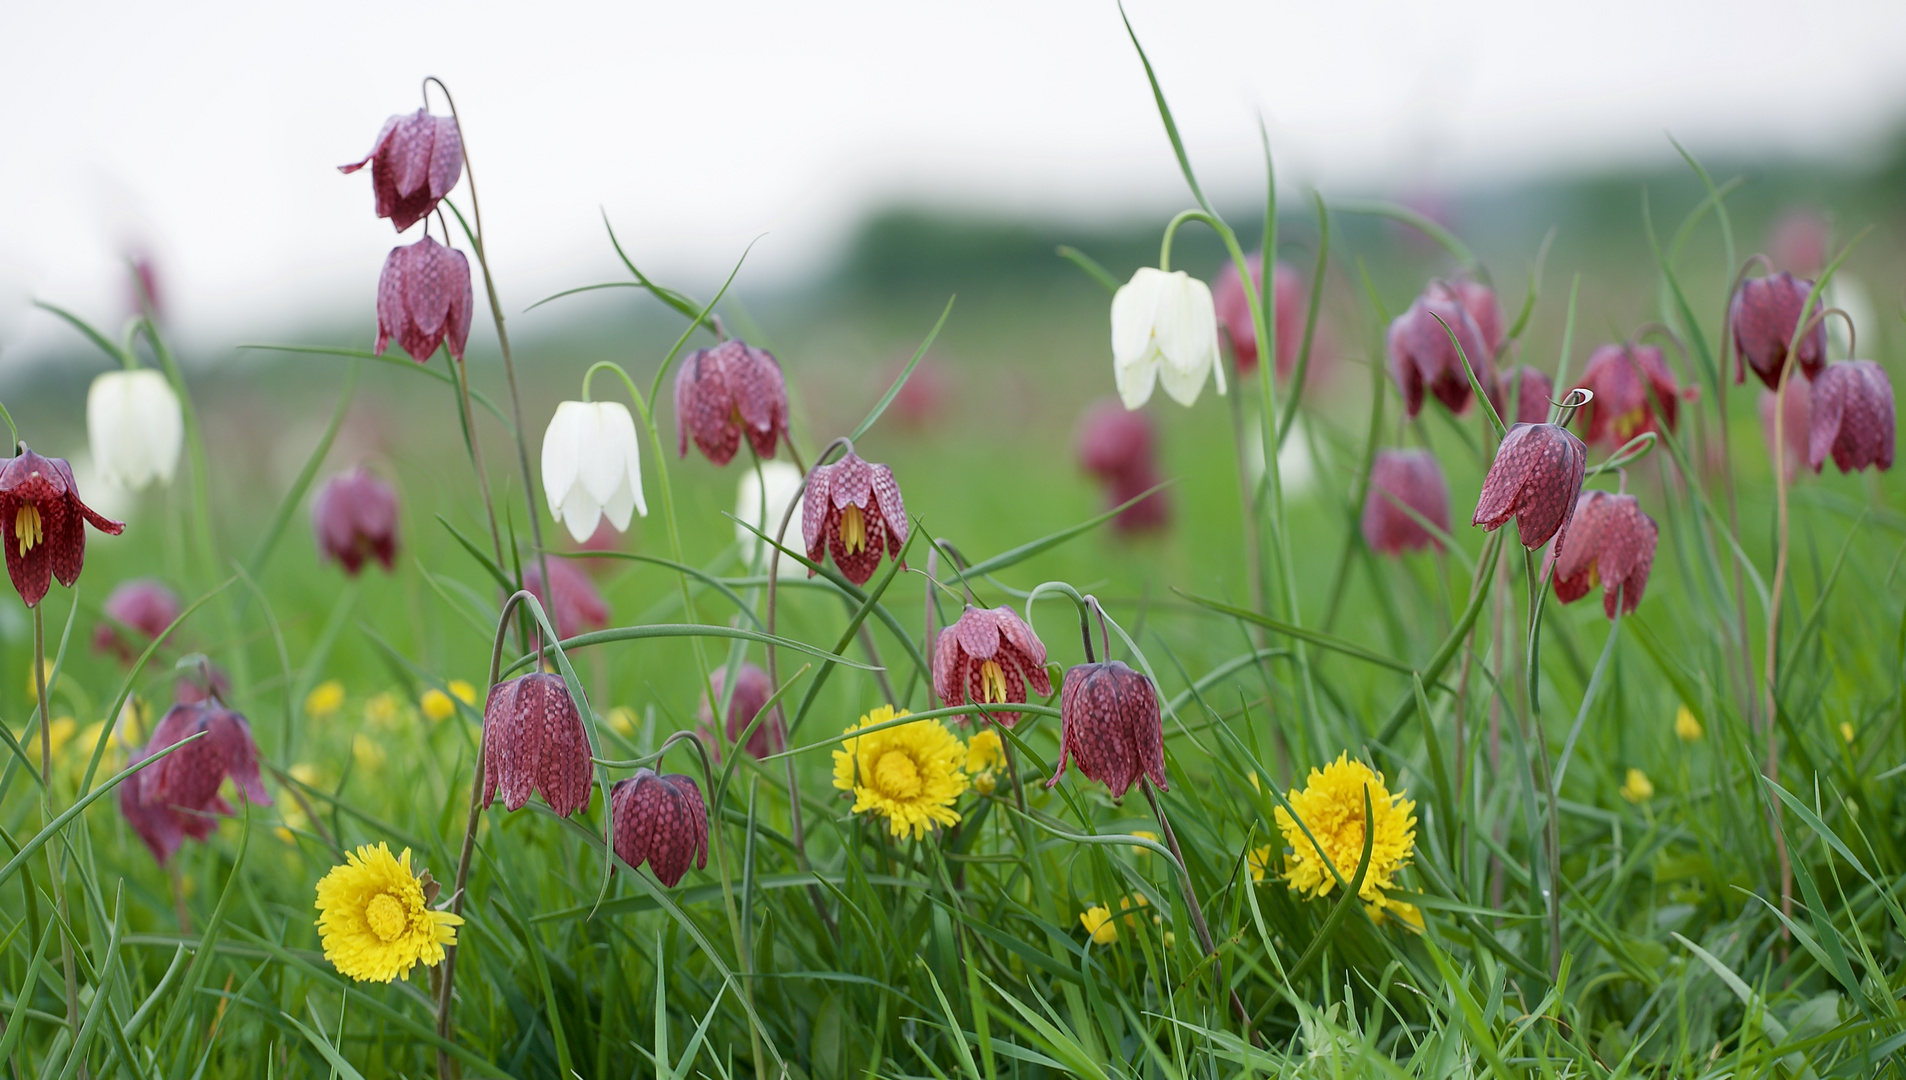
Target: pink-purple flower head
(1852, 417)
(424, 300)
(177, 797)
(989, 656)
(1763, 316)
(1234, 313)
(577, 607)
(1119, 448)
(1481, 303)
(415, 161)
(1610, 543)
(355, 519)
(534, 742)
(1535, 479)
(1413, 479)
(853, 509)
(43, 523)
(1529, 389)
(752, 691)
(1628, 382)
(1110, 727)
(1423, 359)
(142, 608)
(728, 391)
(660, 819)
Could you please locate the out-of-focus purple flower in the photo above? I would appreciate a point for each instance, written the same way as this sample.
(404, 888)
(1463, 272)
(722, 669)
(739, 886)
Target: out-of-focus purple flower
(923, 399)
(1536, 478)
(1628, 382)
(1147, 514)
(533, 741)
(1798, 240)
(157, 826)
(1109, 725)
(724, 392)
(355, 518)
(145, 607)
(1481, 303)
(1113, 441)
(1422, 358)
(1796, 426)
(43, 523)
(752, 691)
(178, 796)
(853, 509)
(1531, 390)
(1763, 316)
(989, 656)
(1413, 478)
(1852, 417)
(577, 607)
(415, 162)
(204, 683)
(1610, 542)
(1291, 301)
(660, 819)
(424, 300)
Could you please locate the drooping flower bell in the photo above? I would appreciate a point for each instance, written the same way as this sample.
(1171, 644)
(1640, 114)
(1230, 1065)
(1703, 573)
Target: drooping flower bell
(1422, 357)
(43, 523)
(577, 607)
(1529, 389)
(1164, 329)
(534, 742)
(1109, 725)
(156, 826)
(725, 392)
(989, 656)
(424, 300)
(1628, 382)
(355, 518)
(1610, 542)
(1852, 417)
(1763, 316)
(660, 818)
(1481, 303)
(135, 427)
(762, 501)
(853, 509)
(177, 796)
(1120, 449)
(752, 691)
(592, 467)
(1234, 313)
(415, 161)
(144, 607)
(1536, 478)
(202, 683)
(1414, 479)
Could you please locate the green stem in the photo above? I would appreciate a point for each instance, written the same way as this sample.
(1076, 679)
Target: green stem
(55, 865)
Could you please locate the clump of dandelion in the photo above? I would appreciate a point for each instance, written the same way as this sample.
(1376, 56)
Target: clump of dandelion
(1686, 727)
(1636, 787)
(985, 752)
(374, 916)
(1331, 805)
(437, 705)
(909, 774)
(1097, 921)
(324, 699)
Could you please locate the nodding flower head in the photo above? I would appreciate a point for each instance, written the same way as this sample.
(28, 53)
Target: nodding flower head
(1629, 383)
(1109, 725)
(1422, 358)
(989, 656)
(43, 523)
(1852, 417)
(415, 161)
(424, 300)
(1763, 316)
(1481, 303)
(355, 518)
(1414, 479)
(660, 818)
(1529, 389)
(1234, 312)
(1164, 329)
(728, 391)
(533, 741)
(177, 796)
(1535, 479)
(145, 607)
(1611, 543)
(1113, 441)
(752, 691)
(577, 606)
(853, 509)
(592, 467)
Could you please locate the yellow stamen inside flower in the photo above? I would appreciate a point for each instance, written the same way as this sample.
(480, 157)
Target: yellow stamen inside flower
(385, 915)
(853, 529)
(26, 527)
(1630, 422)
(992, 682)
(897, 775)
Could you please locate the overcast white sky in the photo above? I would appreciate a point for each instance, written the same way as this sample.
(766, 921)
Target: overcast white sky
(209, 132)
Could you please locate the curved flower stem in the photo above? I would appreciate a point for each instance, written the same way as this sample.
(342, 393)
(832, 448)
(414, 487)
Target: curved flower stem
(1770, 702)
(54, 864)
(476, 458)
(1539, 748)
(1191, 900)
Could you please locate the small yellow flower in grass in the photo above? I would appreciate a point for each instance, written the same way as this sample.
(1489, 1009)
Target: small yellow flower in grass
(324, 699)
(369, 755)
(1846, 731)
(1686, 727)
(437, 705)
(1260, 861)
(1098, 923)
(1144, 834)
(1331, 804)
(375, 919)
(463, 691)
(909, 774)
(984, 753)
(622, 719)
(292, 811)
(1636, 787)
(60, 732)
(384, 710)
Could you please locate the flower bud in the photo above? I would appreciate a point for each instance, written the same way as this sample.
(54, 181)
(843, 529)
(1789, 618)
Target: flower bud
(135, 428)
(661, 820)
(1629, 382)
(1763, 316)
(189, 778)
(989, 656)
(724, 392)
(1852, 417)
(424, 300)
(533, 741)
(1110, 727)
(1529, 389)
(752, 691)
(144, 607)
(1610, 542)
(355, 518)
(1422, 358)
(577, 607)
(592, 467)
(43, 523)
(1535, 479)
(415, 162)
(1414, 479)
(1164, 328)
(853, 509)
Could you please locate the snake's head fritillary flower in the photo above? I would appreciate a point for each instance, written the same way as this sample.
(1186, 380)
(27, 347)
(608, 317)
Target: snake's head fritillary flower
(853, 509)
(135, 428)
(1110, 727)
(43, 523)
(1629, 382)
(156, 826)
(1164, 329)
(725, 392)
(1414, 479)
(1113, 441)
(1331, 810)
(201, 684)
(1147, 514)
(762, 500)
(661, 819)
(184, 785)
(592, 467)
(375, 918)
(1529, 389)
(989, 656)
(1422, 358)
(533, 741)
(1798, 240)
(1763, 316)
(910, 773)
(577, 606)
(1796, 424)
(1610, 542)
(1234, 312)
(355, 518)
(1481, 303)
(1852, 417)
(143, 607)
(415, 162)
(1536, 478)
(752, 691)
(424, 300)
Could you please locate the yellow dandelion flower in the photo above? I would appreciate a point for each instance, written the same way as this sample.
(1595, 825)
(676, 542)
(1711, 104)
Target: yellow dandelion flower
(1636, 787)
(365, 749)
(1144, 834)
(375, 920)
(1098, 922)
(1846, 731)
(463, 691)
(908, 774)
(1260, 859)
(985, 751)
(384, 710)
(324, 699)
(1331, 804)
(1686, 727)
(622, 719)
(437, 705)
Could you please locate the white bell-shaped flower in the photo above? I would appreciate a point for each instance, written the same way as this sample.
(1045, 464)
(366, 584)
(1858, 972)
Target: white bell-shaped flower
(780, 482)
(135, 427)
(1164, 329)
(592, 467)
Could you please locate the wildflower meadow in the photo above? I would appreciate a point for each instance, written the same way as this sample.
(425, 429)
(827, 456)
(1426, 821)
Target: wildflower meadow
(1397, 666)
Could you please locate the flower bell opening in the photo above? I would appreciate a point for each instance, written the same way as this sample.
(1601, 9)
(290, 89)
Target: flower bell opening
(853, 530)
(26, 527)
